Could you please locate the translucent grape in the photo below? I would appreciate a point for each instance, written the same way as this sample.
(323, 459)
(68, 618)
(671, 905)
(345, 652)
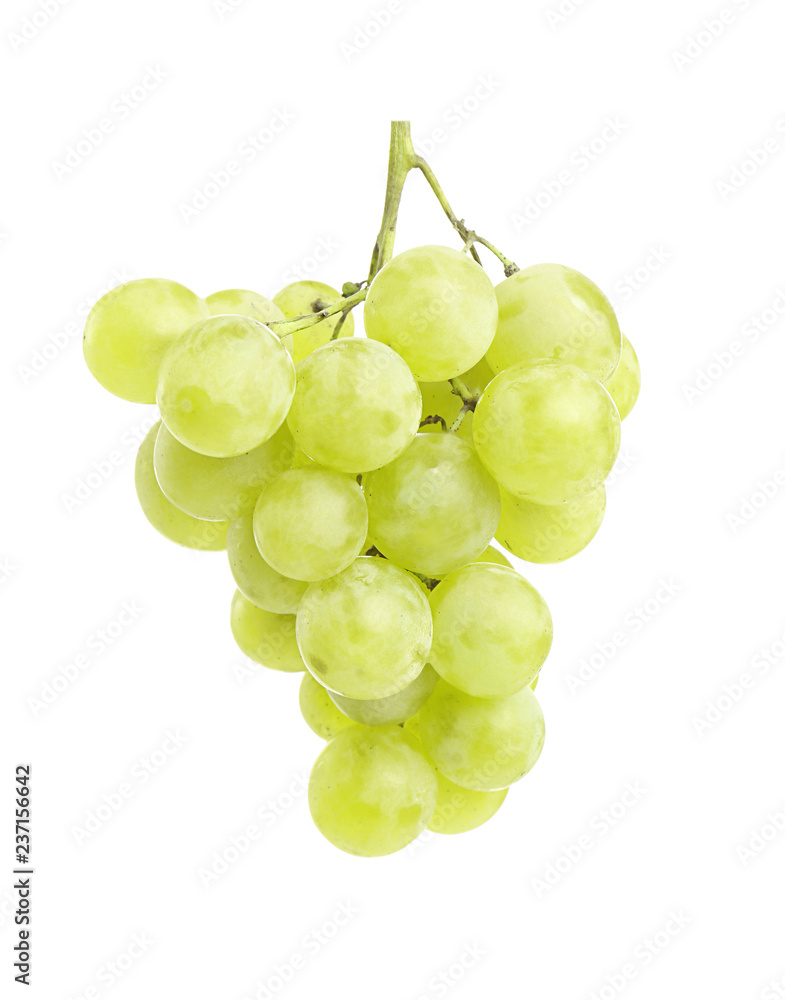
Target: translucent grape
(310, 523)
(372, 790)
(357, 405)
(492, 555)
(304, 297)
(266, 638)
(435, 508)
(550, 312)
(257, 580)
(461, 809)
(436, 307)
(438, 399)
(625, 383)
(550, 533)
(130, 329)
(549, 433)
(482, 743)
(366, 632)
(218, 488)
(319, 711)
(225, 386)
(395, 709)
(162, 513)
(239, 302)
(491, 630)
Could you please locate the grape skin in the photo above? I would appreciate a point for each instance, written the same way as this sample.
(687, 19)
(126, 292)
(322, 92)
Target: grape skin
(372, 791)
(240, 302)
(625, 383)
(459, 810)
(130, 329)
(257, 580)
(319, 711)
(435, 307)
(170, 521)
(304, 297)
(549, 433)
(542, 533)
(265, 638)
(395, 709)
(225, 386)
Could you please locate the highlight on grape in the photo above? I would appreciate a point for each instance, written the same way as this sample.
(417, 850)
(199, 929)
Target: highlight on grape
(357, 485)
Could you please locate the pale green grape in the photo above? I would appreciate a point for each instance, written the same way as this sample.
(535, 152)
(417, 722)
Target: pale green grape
(225, 386)
(534, 683)
(218, 488)
(319, 711)
(549, 433)
(491, 630)
(301, 460)
(550, 533)
(625, 383)
(459, 810)
(357, 405)
(130, 329)
(550, 312)
(239, 302)
(372, 791)
(438, 399)
(482, 743)
(304, 297)
(435, 508)
(395, 709)
(257, 580)
(492, 555)
(162, 513)
(366, 632)
(310, 523)
(266, 638)
(436, 307)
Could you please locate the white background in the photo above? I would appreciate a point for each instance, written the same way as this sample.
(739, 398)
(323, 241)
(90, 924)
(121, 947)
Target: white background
(689, 460)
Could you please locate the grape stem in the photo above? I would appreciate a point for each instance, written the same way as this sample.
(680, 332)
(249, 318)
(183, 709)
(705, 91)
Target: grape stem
(403, 159)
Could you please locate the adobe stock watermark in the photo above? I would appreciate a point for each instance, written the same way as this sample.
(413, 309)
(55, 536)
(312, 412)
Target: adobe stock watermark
(140, 773)
(762, 837)
(627, 286)
(728, 356)
(625, 461)
(458, 113)
(735, 691)
(561, 12)
(119, 111)
(764, 491)
(110, 973)
(377, 21)
(248, 150)
(581, 159)
(774, 989)
(54, 686)
(308, 266)
(633, 623)
(34, 22)
(754, 160)
(266, 816)
(446, 979)
(310, 947)
(643, 955)
(603, 822)
(708, 32)
(8, 569)
(225, 7)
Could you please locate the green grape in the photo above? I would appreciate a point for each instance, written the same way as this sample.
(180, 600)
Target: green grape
(491, 630)
(218, 488)
(319, 711)
(482, 743)
(266, 638)
(625, 383)
(366, 632)
(436, 307)
(225, 386)
(130, 329)
(173, 524)
(372, 791)
(549, 433)
(357, 405)
(435, 508)
(310, 523)
(304, 297)
(438, 399)
(301, 460)
(395, 709)
(459, 810)
(257, 580)
(492, 555)
(412, 725)
(239, 302)
(534, 683)
(550, 533)
(549, 312)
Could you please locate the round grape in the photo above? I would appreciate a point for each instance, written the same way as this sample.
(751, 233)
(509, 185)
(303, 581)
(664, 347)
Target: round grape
(304, 297)
(266, 638)
(395, 709)
(459, 810)
(319, 711)
(550, 533)
(625, 383)
(255, 578)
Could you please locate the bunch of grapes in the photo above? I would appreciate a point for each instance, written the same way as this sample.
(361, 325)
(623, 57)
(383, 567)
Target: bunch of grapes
(357, 483)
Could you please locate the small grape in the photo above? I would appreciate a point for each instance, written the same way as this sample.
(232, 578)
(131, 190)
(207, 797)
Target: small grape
(482, 743)
(225, 386)
(459, 810)
(625, 383)
(319, 711)
(266, 638)
(395, 709)
(550, 533)
(255, 578)
(492, 555)
(310, 523)
(372, 791)
(304, 297)
(548, 433)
